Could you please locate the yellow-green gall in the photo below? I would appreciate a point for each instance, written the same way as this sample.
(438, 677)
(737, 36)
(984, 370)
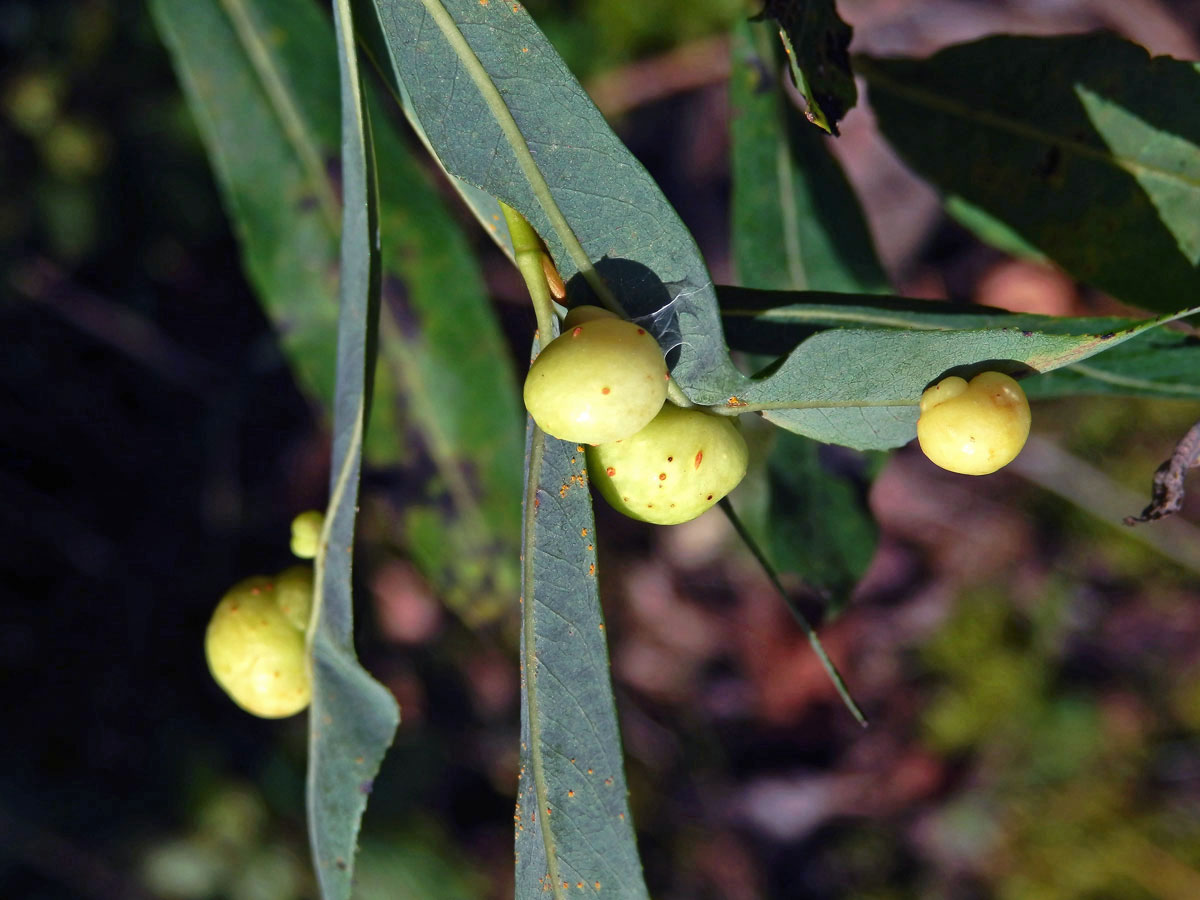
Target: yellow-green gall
(579, 314)
(255, 643)
(306, 533)
(976, 427)
(600, 380)
(672, 470)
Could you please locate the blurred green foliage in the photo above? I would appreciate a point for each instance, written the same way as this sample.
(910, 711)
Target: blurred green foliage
(93, 133)
(233, 849)
(1063, 801)
(594, 36)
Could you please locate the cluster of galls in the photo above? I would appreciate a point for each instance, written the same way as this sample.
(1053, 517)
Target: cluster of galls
(603, 382)
(256, 639)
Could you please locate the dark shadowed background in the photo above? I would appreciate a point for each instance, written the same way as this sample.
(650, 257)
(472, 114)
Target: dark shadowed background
(1031, 667)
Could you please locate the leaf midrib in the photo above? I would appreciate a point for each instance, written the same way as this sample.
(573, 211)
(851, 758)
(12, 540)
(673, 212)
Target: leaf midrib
(537, 451)
(280, 98)
(516, 141)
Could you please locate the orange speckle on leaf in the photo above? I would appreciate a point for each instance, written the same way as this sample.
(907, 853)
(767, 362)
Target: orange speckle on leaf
(524, 49)
(583, 533)
(592, 569)
(570, 793)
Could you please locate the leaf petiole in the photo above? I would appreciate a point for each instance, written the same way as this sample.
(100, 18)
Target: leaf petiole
(531, 258)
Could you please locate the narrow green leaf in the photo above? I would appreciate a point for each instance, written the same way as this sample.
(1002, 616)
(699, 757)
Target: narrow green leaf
(796, 224)
(846, 401)
(817, 43)
(1160, 363)
(353, 717)
(574, 833)
(1082, 148)
(261, 79)
(1157, 363)
(481, 204)
(269, 164)
(503, 113)
(796, 221)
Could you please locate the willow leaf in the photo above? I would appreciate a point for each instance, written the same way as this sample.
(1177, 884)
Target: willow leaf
(353, 717)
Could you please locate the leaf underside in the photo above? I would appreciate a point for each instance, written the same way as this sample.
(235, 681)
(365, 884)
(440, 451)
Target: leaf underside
(574, 832)
(1156, 362)
(353, 717)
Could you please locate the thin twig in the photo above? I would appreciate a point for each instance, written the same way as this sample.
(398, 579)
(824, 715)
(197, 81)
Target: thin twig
(809, 632)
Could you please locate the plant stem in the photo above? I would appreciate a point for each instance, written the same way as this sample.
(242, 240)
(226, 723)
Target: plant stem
(529, 251)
